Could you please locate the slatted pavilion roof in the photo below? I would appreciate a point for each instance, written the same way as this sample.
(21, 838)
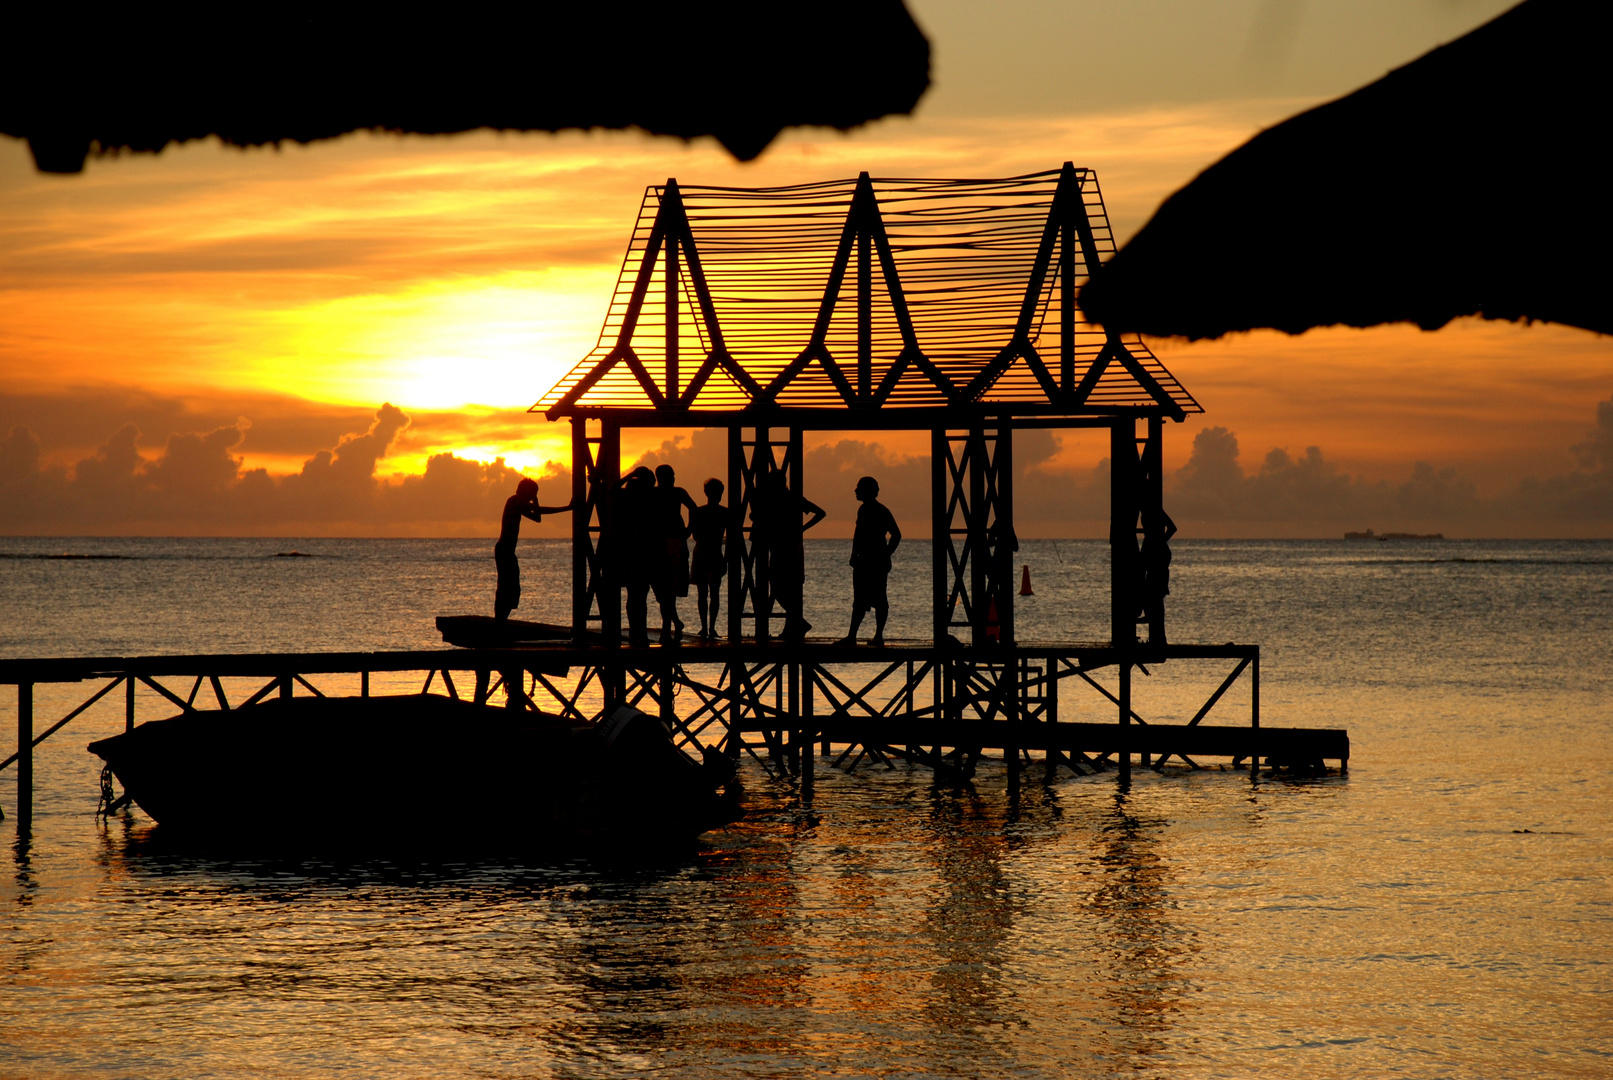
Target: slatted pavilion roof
(866, 294)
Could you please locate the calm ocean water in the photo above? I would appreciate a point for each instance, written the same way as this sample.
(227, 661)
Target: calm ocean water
(1444, 910)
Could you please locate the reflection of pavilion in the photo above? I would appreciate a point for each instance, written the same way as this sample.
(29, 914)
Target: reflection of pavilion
(939, 305)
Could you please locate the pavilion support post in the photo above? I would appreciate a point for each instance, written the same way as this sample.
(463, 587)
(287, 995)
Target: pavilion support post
(793, 454)
(1002, 576)
(978, 542)
(1151, 497)
(606, 478)
(940, 537)
(1007, 538)
(792, 463)
(608, 475)
(736, 535)
(25, 755)
(1123, 567)
(128, 702)
(761, 583)
(582, 545)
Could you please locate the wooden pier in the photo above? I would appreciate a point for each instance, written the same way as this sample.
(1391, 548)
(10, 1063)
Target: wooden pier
(853, 305)
(943, 708)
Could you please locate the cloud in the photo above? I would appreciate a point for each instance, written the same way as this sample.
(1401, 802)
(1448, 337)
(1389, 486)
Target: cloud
(19, 455)
(199, 483)
(1212, 495)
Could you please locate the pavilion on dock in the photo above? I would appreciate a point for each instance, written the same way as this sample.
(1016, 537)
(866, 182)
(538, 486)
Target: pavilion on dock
(868, 304)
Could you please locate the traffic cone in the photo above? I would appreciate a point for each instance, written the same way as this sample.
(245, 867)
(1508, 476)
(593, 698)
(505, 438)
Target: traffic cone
(1025, 581)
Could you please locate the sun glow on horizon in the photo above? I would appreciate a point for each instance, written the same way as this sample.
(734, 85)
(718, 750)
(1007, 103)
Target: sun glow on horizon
(498, 342)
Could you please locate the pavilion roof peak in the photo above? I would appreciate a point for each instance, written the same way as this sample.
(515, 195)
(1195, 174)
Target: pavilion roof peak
(863, 294)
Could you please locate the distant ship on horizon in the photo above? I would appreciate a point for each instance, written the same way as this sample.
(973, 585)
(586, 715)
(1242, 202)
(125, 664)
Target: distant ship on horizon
(1370, 535)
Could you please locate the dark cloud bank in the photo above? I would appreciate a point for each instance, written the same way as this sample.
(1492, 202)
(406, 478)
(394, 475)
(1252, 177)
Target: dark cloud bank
(197, 484)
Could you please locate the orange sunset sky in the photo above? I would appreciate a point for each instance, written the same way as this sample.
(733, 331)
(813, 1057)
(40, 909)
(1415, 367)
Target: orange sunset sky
(249, 313)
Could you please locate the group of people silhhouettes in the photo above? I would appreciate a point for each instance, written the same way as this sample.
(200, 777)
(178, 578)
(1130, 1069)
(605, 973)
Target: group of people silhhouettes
(649, 551)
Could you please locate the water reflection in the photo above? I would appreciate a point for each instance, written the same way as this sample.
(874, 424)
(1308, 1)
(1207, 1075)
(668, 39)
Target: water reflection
(914, 925)
(23, 868)
(1197, 925)
(969, 917)
(1132, 904)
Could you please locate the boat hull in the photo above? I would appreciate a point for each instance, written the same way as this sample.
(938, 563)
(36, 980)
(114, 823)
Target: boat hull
(420, 770)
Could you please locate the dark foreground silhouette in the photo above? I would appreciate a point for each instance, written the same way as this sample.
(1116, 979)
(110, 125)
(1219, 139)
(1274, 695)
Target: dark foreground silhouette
(1469, 182)
(418, 770)
(109, 79)
(777, 530)
(708, 524)
(872, 544)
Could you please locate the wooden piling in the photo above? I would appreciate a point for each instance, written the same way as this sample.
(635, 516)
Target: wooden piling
(25, 755)
(1254, 718)
(796, 759)
(1124, 753)
(808, 766)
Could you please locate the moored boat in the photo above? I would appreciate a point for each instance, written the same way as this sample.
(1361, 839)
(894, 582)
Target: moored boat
(419, 769)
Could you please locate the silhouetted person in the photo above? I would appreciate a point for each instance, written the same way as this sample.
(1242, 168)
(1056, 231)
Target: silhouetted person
(523, 504)
(1155, 564)
(776, 515)
(872, 545)
(709, 525)
(672, 579)
(638, 547)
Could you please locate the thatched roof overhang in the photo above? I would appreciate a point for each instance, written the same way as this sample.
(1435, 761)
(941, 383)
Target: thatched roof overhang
(104, 79)
(865, 303)
(1468, 182)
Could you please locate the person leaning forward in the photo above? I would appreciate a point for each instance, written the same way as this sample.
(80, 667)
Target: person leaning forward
(523, 504)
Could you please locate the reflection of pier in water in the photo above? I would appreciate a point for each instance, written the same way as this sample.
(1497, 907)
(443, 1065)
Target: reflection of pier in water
(927, 924)
(946, 306)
